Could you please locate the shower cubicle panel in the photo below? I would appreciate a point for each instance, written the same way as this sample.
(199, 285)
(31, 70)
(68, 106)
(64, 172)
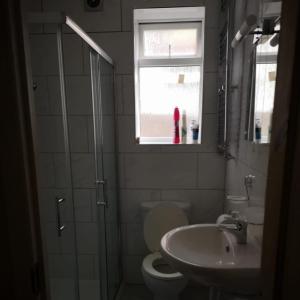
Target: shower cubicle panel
(54, 166)
(106, 171)
(77, 166)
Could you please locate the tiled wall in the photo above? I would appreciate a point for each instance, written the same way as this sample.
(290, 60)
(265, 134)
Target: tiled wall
(250, 158)
(193, 173)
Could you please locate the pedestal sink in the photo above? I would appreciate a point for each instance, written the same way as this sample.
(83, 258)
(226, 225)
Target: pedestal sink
(212, 257)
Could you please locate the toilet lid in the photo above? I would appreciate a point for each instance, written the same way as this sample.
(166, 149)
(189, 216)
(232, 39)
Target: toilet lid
(161, 219)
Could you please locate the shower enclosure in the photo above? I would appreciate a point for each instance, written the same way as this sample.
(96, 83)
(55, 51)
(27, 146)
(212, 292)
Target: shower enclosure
(74, 129)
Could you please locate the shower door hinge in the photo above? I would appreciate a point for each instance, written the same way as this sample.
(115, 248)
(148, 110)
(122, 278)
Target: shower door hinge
(36, 278)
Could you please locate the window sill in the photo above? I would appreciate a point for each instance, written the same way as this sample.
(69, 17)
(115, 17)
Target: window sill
(154, 141)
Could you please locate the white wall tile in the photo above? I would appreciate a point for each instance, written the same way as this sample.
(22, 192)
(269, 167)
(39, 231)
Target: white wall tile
(210, 93)
(61, 266)
(133, 239)
(211, 171)
(130, 201)
(45, 170)
(41, 95)
(83, 168)
(211, 50)
(61, 172)
(109, 170)
(206, 205)
(47, 205)
(83, 205)
(128, 95)
(118, 94)
(87, 238)
(129, 5)
(86, 267)
(109, 133)
(54, 95)
(50, 135)
(73, 54)
(113, 239)
(51, 238)
(106, 20)
(160, 170)
(78, 133)
(209, 133)
(67, 240)
(211, 14)
(79, 97)
(44, 58)
(43, 51)
(122, 56)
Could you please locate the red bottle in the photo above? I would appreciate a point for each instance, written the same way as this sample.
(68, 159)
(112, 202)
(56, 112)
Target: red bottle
(176, 117)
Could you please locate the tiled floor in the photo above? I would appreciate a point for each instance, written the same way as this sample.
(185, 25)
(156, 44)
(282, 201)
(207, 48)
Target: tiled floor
(141, 292)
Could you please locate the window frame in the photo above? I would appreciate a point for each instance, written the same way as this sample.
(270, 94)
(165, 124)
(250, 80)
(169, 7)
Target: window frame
(156, 16)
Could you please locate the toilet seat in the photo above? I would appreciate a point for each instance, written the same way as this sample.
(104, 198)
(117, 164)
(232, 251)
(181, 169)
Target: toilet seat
(149, 268)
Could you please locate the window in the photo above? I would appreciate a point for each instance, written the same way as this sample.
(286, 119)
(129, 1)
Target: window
(168, 51)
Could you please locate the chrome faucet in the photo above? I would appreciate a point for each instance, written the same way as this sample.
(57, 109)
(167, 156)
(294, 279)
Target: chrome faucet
(236, 225)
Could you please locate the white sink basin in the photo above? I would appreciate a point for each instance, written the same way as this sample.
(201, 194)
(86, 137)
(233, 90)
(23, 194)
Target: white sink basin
(212, 257)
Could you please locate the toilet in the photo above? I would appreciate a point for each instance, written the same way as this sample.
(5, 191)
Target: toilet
(159, 218)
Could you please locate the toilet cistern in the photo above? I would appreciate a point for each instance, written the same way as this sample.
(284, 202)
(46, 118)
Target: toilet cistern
(237, 226)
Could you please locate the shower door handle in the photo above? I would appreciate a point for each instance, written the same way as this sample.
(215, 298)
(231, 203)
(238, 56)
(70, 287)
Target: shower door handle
(60, 226)
(103, 183)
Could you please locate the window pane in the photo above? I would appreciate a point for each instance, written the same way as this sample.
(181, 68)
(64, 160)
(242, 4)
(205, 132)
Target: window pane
(170, 42)
(161, 90)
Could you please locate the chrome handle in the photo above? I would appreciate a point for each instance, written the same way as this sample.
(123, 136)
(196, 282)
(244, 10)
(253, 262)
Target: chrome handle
(60, 226)
(103, 183)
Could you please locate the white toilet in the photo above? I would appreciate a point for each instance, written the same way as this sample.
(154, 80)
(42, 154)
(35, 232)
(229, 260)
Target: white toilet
(159, 218)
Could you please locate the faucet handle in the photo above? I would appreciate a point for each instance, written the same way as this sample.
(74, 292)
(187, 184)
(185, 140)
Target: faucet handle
(237, 216)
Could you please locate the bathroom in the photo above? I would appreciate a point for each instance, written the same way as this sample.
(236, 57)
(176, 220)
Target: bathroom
(100, 173)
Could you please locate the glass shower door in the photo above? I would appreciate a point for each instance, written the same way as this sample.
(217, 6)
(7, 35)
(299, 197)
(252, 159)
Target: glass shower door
(106, 175)
(54, 172)
(109, 155)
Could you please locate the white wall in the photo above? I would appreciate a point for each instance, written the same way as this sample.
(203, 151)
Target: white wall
(250, 158)
(193, 173)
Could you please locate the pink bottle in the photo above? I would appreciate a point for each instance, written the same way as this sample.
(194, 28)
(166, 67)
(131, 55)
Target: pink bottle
(176, 117)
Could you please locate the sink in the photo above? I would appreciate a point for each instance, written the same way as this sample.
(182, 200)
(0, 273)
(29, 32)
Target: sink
(212, 257)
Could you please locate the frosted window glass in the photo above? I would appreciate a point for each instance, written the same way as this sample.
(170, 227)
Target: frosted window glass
(170, 42)
(161, 90)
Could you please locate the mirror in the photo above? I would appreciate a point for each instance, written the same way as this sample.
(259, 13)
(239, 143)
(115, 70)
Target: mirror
(262, 81)
(264, 88)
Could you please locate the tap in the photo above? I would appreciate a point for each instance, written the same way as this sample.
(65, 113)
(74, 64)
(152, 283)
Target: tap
(237, 226)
